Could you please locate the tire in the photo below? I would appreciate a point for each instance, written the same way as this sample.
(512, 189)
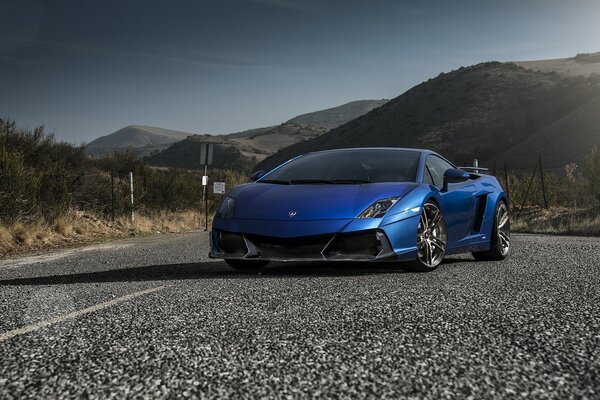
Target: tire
(432, 239)
(246, 265)
(500, 240)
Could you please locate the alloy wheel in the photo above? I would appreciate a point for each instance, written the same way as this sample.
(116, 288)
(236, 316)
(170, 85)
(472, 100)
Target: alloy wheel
(432, 236)
(503, 228)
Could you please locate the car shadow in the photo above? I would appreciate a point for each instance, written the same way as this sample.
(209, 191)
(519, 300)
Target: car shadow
(214, 270)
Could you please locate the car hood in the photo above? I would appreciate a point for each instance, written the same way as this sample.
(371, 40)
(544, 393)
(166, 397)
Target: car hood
(267, 201)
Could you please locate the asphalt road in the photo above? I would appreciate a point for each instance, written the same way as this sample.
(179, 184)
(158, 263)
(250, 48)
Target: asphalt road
(153, 317)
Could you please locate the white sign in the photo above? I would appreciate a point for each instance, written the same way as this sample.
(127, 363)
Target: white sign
(219, 187)
(204, 180)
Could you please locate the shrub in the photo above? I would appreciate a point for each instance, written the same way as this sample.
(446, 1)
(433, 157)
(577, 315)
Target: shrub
(592, 163)
(42, 178)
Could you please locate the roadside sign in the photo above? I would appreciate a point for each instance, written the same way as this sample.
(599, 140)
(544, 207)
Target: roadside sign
(206, 153)
(204, 180)
(219, 187)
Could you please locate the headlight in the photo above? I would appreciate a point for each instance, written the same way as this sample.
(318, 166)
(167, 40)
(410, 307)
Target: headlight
(226, 208)
(379, 208)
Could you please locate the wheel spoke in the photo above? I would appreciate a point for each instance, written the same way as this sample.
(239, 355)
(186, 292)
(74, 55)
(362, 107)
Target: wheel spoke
(425, 220)
(436, 219)
(503, 220)
(428, 253)
(505, 239)
(438, 242)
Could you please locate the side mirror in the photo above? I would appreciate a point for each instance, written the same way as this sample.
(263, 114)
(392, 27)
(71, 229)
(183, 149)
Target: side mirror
(257, 175)
(454, 175)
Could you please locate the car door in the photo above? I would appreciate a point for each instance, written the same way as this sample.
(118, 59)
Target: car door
(458, 202)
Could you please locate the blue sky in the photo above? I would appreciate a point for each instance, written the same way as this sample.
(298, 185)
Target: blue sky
(87, 68)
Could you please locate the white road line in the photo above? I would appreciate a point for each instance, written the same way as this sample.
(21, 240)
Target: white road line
(42, 324)
(53, 256)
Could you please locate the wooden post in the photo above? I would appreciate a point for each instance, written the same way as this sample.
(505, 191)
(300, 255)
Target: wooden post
(542, 180)
(131, 193)
(112, 196)
(205, 194)
(527, 191)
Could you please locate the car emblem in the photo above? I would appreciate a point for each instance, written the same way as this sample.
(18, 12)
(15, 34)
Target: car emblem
(292, 213)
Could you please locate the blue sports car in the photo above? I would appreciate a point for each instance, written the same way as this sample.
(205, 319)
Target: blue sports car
(363, 204)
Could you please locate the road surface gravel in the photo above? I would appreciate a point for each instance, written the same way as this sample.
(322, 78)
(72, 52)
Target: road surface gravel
(528, 327)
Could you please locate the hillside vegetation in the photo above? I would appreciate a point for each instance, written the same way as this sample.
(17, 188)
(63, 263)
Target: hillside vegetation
(483, 111)
(51, 192)
(336, 116)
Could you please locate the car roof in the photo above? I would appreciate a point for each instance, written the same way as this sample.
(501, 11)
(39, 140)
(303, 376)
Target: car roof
(422, 151)
(376, 148)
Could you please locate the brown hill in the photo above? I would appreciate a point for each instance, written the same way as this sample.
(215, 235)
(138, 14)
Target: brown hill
(162, 147)
(236, 151)
(483, 111)
(333, 117)
(140, 139)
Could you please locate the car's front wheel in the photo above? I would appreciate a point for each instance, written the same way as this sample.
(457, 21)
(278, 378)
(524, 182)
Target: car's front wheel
(246, 265)
(432, 239)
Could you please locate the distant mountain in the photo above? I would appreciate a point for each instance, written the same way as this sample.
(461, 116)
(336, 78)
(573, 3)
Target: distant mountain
(336, 116)
(485, 111)
(247, 148)
(581, 64)
(238, 150)
(142, 140)
(253, 145)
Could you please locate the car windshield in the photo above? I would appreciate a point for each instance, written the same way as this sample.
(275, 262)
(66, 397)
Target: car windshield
(349, 166)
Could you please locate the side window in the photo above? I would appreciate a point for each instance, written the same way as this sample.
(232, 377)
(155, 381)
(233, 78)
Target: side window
(428, 179)
(437, 167)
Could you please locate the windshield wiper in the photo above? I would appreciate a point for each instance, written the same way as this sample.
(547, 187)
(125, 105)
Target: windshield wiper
(314, 181)
(308, 181)
(327, 181)
(276, 181)
(342, 181)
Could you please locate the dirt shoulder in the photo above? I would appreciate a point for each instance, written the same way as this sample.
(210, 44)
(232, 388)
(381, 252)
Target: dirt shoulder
(81, 228)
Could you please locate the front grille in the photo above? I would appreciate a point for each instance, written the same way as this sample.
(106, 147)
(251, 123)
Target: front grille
(354, 245)
(304, 247)
(232, 244)
(367, 245)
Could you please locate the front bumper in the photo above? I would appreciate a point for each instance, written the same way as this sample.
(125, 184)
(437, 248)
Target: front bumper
(363, 246)
(327, 240)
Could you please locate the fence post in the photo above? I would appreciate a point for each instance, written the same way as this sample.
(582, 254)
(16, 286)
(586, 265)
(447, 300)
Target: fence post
(112, 196)
(205, 195)
(476, 165)
(131, 193)
(527, 191)
(542, 180)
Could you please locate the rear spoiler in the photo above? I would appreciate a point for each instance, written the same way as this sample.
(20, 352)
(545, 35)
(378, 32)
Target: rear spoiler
(475, 169)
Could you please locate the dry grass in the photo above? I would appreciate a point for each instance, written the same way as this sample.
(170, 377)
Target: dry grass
(81, 227)
(558, 221)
